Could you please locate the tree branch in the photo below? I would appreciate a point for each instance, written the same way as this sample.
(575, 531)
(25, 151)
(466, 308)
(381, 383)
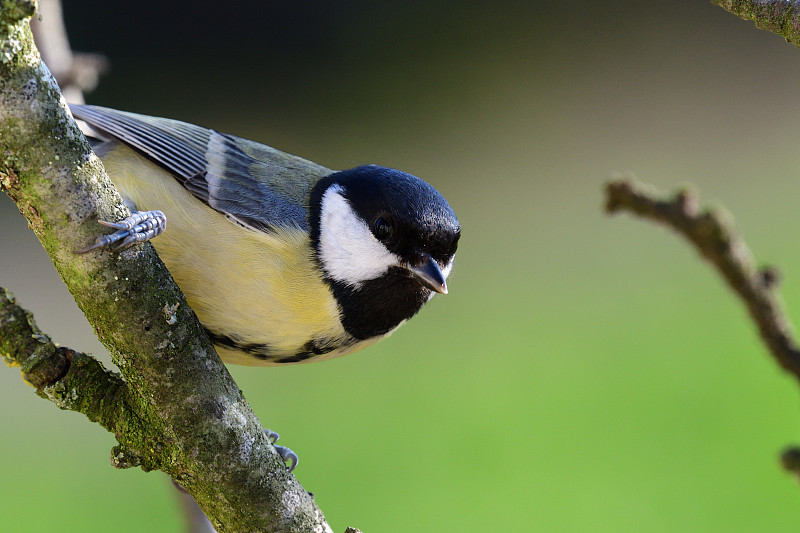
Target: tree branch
(73, 381)
(712, 233)
(781, 17)
(178, 410)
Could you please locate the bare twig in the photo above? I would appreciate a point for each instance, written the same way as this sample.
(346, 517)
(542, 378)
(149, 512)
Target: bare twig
(712, 233)
(75, 72)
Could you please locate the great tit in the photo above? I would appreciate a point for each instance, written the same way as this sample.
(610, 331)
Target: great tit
(283, 260)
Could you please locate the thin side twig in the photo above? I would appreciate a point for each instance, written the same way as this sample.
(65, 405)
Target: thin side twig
(75, 72)
(712, 233)
(72, 380)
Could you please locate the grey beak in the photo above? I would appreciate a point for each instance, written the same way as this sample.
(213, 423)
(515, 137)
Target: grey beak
(426, 270)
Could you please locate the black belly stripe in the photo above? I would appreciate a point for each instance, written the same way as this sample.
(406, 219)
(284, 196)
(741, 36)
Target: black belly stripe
(311, 349)
(263, 351)
(297, 358)
(260, 351)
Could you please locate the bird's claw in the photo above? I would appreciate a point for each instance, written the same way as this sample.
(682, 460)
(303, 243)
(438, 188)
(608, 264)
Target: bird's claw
(141, 226)
(271, 435)
(286, 453)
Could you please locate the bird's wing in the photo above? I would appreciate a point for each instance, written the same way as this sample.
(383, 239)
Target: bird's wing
(256, 185)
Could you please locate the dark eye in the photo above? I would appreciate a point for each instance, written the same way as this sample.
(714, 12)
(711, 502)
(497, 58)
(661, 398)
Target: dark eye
(382, 229)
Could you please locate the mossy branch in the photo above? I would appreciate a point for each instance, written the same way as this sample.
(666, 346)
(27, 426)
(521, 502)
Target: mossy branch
(781, 17)
(178, 409)
(76, 382)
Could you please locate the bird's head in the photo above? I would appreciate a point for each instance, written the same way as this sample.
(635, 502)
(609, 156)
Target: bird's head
(385, 241)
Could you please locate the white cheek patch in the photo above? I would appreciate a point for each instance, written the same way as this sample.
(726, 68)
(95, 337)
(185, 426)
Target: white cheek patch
(349, 251)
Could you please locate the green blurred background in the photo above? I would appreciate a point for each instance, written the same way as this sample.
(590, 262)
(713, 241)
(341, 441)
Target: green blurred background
(585, 373)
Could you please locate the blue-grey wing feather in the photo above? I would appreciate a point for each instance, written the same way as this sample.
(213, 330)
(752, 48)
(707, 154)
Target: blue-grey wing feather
(255, 185)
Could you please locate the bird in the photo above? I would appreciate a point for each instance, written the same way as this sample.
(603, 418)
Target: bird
(283, 260)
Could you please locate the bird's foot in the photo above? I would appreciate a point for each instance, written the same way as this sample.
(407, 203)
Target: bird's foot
(141, 226)
(286, 454)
